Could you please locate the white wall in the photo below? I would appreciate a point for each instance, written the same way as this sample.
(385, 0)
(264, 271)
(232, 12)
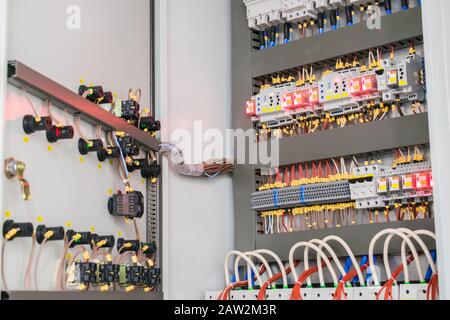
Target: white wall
(437, 50)
(3, 23)
(112, 49)
(194, 72)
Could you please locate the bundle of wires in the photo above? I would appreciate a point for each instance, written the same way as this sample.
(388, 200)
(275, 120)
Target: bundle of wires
(433, 288)
(275, 278)
(225, 294)
(210, 169)
(297, 290)
(340, 290)
(387, 288)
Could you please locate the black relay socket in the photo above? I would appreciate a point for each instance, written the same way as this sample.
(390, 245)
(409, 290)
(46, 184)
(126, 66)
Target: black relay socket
(41, 230)
(31, 125)
(129, 205)
(135, 245)
(129, 146)
(150, 124)
(151, 171)
(137, 164)
(85, 238)
(97, 95)
(150, 248)
(108, 153)
(130, 110)
(54, 134)
(26, 229)
(90, 146)
(110, 241)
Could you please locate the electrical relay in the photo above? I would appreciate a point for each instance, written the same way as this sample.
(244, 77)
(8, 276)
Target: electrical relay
(129, 205)
(342, 92)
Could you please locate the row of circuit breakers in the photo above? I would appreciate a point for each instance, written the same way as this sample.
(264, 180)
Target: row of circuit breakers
(340, 92)
(370, 187)
(263, 14)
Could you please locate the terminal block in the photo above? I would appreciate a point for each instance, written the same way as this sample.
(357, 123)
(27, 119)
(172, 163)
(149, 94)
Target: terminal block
(321, 193)
(86, 272)
(129, 205)
(107, 273)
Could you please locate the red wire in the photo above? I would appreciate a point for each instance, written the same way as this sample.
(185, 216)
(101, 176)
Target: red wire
(287, 180)
(262, 291)
(296, 291)
(340, 291)
(387, 287)
(293, 178)
(433, 288)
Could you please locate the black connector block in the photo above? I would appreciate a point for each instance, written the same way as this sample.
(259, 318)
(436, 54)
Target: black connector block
(134, 246)
(90, 146)
(58, 233)
(86, 272)
(150, 248)
(149, 124)
(151, 171)
(31, 125)
(110, 241)
(137, 164)
(130, 110)
(129, 205)
(85, 238)
(26, 229)
(108, 153)
(60, 133)
(129, 146)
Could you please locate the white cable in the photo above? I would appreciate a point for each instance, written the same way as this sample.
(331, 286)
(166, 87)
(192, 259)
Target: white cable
(279, 262)
(315, 248)
(350, 254)
(415, 235)
(386, 259)
(249, 274)
(175, 156)
(322, 245)
(424, 248)
(372, 246)
(243, 256)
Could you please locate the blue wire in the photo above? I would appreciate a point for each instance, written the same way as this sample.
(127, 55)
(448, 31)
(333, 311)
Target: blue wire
(430, 271)
(122, 158)
(369, 271)
(347, 267)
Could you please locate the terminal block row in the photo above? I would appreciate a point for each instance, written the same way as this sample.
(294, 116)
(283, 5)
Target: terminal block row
(321, 193)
